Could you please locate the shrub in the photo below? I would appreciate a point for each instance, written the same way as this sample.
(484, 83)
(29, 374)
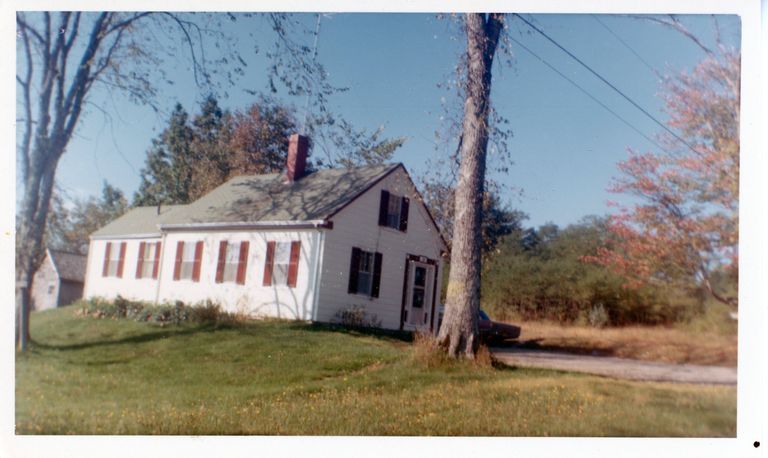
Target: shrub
(176, 313)
(356, 317)
(207, 312)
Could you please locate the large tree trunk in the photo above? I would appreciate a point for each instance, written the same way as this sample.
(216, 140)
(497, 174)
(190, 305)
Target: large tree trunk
(459, 331)
(29, 247)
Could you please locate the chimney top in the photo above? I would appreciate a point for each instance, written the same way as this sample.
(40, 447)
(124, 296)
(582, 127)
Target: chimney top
(297, 157)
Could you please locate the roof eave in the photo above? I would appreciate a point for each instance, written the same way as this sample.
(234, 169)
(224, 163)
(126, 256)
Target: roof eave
(259, 225)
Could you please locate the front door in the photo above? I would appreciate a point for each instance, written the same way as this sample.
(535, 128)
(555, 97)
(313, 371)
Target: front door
(420, 287)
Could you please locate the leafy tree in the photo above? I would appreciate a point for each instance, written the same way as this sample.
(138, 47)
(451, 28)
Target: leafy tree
(69, 229)
(549, 280)
(459, 330)
(685, 225)
(259, 141)
(167, 173)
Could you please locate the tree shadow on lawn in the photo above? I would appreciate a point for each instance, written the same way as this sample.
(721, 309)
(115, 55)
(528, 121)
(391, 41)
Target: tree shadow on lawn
(384, 334)
(135, 339)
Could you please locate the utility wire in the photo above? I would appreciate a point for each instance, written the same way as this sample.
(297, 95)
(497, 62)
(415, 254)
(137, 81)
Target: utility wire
(626, 45)
(588, 94)
(608, 83)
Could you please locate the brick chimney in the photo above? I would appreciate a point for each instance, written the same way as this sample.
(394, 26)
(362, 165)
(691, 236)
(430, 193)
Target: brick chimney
(297, 157)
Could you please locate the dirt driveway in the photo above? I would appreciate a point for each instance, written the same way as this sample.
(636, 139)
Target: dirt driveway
(621, 368)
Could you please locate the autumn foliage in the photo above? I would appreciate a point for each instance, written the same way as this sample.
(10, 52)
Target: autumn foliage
(684, 226)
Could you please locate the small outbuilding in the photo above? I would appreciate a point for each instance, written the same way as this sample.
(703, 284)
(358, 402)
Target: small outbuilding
(59, 280)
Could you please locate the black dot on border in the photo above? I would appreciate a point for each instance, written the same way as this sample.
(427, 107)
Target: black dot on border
(756, 444)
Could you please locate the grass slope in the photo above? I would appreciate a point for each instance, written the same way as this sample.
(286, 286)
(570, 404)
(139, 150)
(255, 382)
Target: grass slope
(89, 376)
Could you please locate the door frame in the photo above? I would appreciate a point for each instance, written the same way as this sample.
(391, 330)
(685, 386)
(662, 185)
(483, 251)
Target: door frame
(424, 260)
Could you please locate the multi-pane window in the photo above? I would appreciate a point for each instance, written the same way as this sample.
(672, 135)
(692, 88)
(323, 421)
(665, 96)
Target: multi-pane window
(365, 273)
(148, 260)
(187, 261)
(113, 262)
(281, 264)
(393, 211)
(114, 256)
(233, 260)
(189, 256)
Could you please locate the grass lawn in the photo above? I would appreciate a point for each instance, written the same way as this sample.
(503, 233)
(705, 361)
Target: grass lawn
(90, 376)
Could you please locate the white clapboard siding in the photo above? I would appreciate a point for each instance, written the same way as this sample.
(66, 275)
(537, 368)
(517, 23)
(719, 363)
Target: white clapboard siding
(357, 226)
(129, 287)
(251, 298)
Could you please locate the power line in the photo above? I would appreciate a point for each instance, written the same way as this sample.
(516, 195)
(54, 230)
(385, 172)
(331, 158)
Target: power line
(608, 83)
(588, 94)
(626, 45)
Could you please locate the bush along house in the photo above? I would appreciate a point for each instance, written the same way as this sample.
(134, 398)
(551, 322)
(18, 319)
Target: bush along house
(296, 245)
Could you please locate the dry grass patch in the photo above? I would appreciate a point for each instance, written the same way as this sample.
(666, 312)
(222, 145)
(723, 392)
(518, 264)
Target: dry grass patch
(673, 345)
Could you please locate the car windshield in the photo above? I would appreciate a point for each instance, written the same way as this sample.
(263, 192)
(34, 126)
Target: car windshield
(483, 316)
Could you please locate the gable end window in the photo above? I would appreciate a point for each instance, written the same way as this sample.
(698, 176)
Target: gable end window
(393, 211)
(189, 257)
(281, 266)
(365, 273)
(114, 259)
(233, 261)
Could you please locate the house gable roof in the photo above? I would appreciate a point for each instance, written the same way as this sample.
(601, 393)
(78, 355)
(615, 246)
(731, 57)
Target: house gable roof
(270, 198)
(70, 266)
(138, 221)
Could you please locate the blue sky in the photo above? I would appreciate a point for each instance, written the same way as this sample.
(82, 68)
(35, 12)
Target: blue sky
(565, 146)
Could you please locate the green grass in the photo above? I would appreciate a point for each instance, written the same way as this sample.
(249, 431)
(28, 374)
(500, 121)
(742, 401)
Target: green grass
(90, 376)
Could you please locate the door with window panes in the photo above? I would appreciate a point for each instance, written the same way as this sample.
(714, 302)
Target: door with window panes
(420, 288)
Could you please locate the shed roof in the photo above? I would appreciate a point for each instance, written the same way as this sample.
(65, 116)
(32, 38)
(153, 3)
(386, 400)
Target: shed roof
(70, 266)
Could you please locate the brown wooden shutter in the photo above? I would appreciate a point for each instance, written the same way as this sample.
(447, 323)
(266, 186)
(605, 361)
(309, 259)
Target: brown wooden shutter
(377, 258)
(293, 267)
(242, 263)
(354, 265)
(156, 265)
(177, 264)
(268, 263)
(140, 260)
(383, 207)
(222, 261)
(404, 214)
(198, 261)
(121, 261)
(105, 270)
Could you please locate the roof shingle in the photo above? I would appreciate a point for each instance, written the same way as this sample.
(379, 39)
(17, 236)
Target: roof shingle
(258, 198)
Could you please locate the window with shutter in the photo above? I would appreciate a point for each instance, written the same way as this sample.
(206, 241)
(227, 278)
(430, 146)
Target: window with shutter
(282, 263)
(189, 256)
(232, 262)
(393, 211)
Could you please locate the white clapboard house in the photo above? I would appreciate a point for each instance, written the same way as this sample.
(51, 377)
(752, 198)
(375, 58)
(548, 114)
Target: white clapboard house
(291, 245)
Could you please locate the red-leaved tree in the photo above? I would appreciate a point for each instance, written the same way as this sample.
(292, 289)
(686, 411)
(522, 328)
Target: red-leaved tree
(685, 224)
